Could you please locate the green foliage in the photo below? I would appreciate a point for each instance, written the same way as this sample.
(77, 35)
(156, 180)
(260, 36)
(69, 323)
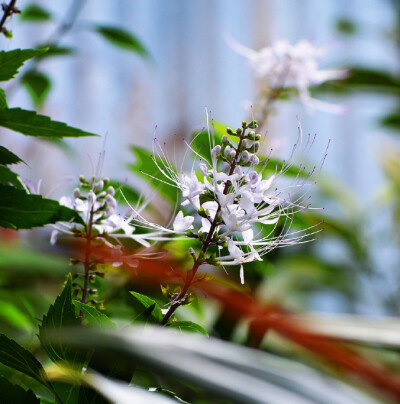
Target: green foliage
(31, 124)
(19, 210)
(35, 13)
(147, 309)
(7, 157)
(3, 99)
(92, 315)
(392, 120)
(18, 358)
(187, 326)
(12, 394)
(54, 49)
(123, 39)
(11, 61)
(38, 85)
(61, 314)
(8, 177)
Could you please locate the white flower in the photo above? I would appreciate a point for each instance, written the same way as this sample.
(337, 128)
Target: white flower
(182, 223)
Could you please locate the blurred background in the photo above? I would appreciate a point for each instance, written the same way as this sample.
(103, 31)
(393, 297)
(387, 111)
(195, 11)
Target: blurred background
(104, 89)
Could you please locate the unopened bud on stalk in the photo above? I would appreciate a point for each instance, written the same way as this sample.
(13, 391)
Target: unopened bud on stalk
(99, 186)
(256, 146)
(216, 150)
(229, 131)
(246, 156)
(224, 139)
(254, 160)
(77, 193)
(111, 191)
(227, 151)
(203, 169)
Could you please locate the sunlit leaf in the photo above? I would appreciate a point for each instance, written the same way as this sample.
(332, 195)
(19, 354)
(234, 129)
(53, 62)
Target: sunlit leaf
(147, 309)
(92, 315)
(31, 124)
(3, 99)
(11, 61)
(187, 326)
(19, 210)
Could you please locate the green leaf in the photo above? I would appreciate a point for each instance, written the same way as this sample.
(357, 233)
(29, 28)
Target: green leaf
(19, 210)
(61, 314)
(12, 394)
(145, 167)
(18, 358)
(12, 315)
(146, 308)
(38, 85)
(11, 61)
(31, 124)
(54, 49)
(92, 315)
(123, 39)
(7, 157)
(8, 177)
(392, 121)
(3, 99)
(187, 326)
(35, 12)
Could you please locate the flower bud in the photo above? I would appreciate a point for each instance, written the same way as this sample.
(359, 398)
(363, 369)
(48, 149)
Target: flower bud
(238, 171)
(258, 137)
(253, 177)
(229, 131)
(106, 180)
(91, 197)
(82, 179)
(256, 146)
(245, 156)
(99, 186)
(251, 135)
(111, 191)
(203, 169)
(254, 160)
(227, 150)
(233, 154)
(77, 193)
(224, 139)
(216, 150)
(239, 131)
(244, 124)
(111, 201)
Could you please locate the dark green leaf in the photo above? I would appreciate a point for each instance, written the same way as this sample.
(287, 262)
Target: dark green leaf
(392, 121)
(145, 167)
(187, 326)
(13, 394)
(11, 61)
(7, 157)
(123, 39)
(19, 210)
(346, 26)
(35, 12)
(38, 85)
(18, 358)
(54, 50)
(8, 177)
(3, 99)
(68, 392)
(92, 315)
(61, 314)
(31, 124)
(147, 309)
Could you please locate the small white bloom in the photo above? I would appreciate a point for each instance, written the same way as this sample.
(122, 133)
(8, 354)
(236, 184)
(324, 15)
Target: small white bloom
(203, 169)
(182, 223)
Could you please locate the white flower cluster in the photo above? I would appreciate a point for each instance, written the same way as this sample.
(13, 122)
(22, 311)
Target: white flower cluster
(98, 210)
(283, 65)
(238, 208)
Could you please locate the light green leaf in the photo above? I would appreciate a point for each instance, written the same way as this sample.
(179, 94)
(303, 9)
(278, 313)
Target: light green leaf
(11, 61)
(123, 39)
(12, 394)
(187, 326)
(19, 210)
(38, 85)
(35, 12)
(92, 315)
(147, 309)
(3, 99)
(31, 124)
(61, 314)
(14, 316)
(7, 157)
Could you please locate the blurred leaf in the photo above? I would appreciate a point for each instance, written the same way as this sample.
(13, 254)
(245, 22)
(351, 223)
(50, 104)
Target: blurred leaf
(11, 61)
(61, 314)
(129, 193)
(69, 393)
(13, 394)
(123, 39)
(38, 85)
(392, 121)
(7, 157)
(8, 177)
(31, 124)
(92, 315)
(35, 12)
(14, 316)
(54, 50)
(145, 166)
(18, 358)
(3, 99)
(19, 210)
(187, 326)
(346, 26)
(147, 309)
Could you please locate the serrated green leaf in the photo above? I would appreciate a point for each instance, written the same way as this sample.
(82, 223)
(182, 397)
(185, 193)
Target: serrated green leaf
(187, 326)
(11, 61)
(92, 315)
(145, 167)
(31, 124)
(16, 357)
(19, 210)
(3, 99)
(35, 12)
(8, 177)
(61, 314)
(147, 309)
(123, 39)
(7, 157)
(12, 394)
(38, 85)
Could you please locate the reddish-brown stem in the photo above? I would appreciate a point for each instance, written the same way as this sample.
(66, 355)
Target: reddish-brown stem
(9, 10)
(87, 262)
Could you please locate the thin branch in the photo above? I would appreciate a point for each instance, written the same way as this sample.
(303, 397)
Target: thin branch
(9, 10)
